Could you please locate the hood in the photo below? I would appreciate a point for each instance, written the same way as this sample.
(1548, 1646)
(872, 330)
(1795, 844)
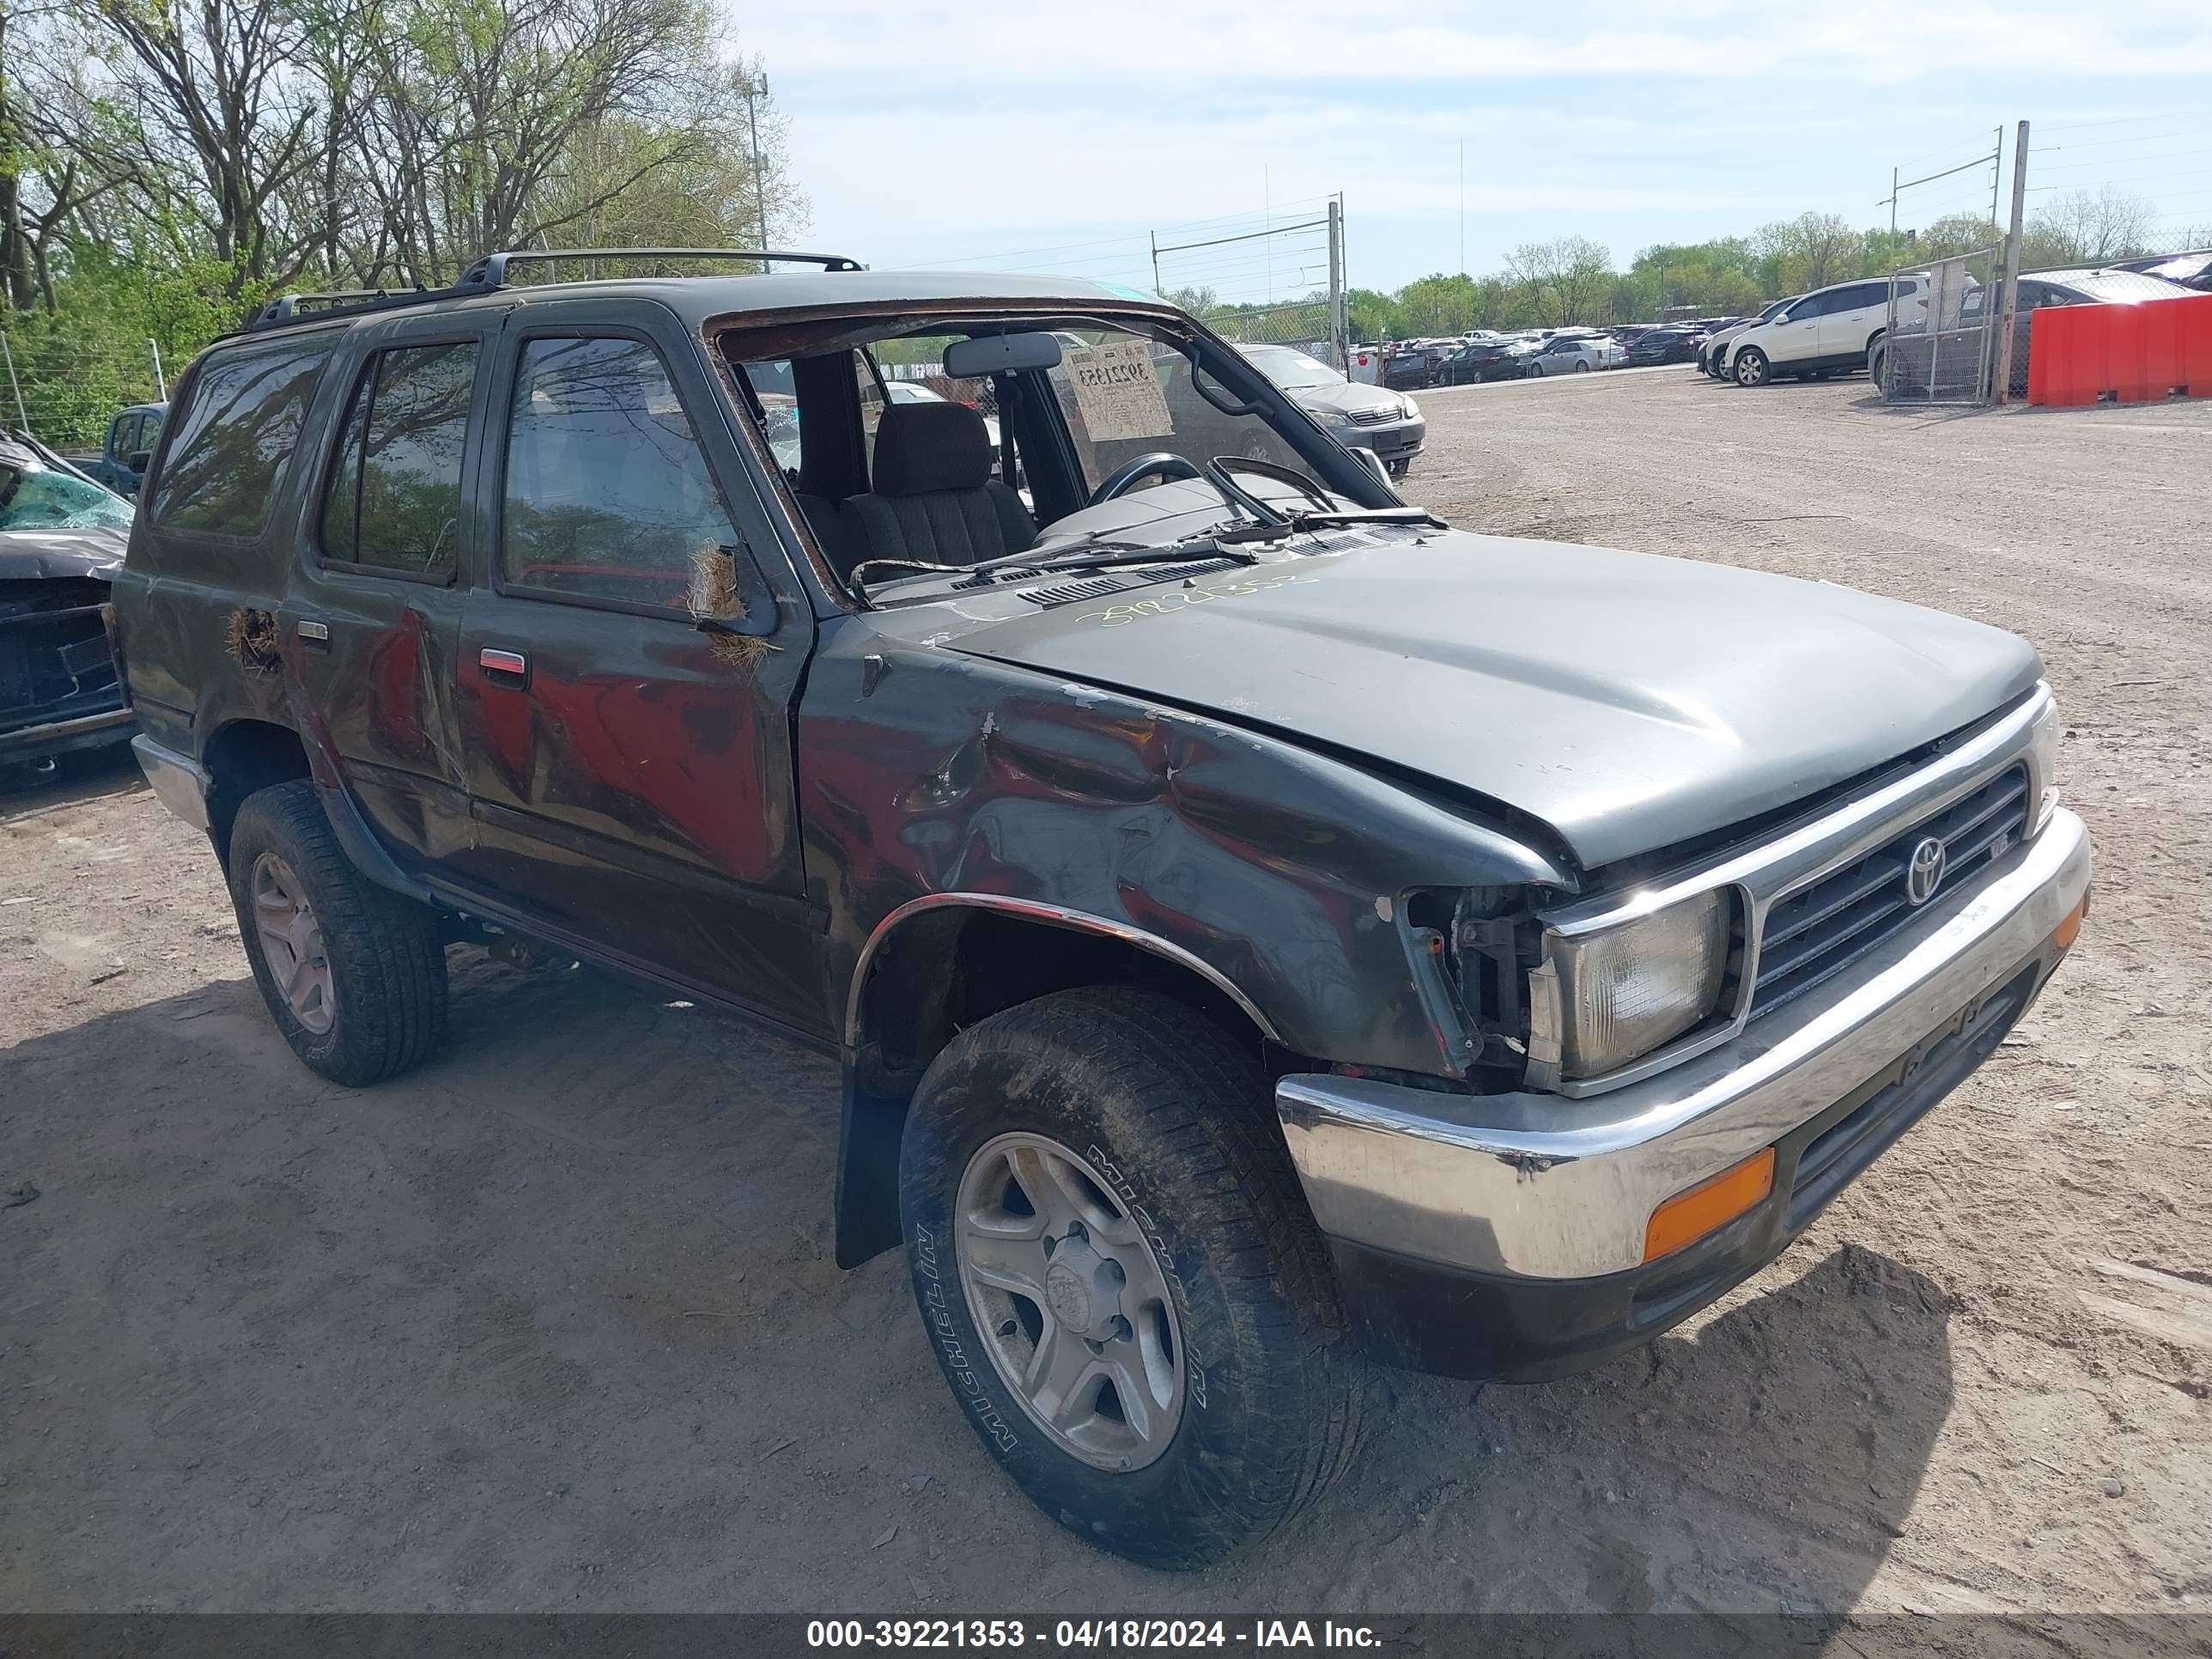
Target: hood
(35, 554)
(1343, 399)
(1630, 701)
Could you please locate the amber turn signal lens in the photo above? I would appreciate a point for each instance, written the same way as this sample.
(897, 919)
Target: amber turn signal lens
(2070, 928)
(1688, 1217)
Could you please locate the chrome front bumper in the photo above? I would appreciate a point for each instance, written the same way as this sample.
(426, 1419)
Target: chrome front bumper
(1541, 1187)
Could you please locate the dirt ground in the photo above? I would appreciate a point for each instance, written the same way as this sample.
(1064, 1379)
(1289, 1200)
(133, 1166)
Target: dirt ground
(552, 1325)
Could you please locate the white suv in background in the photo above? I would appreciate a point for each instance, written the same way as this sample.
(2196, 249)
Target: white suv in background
(1826, 332)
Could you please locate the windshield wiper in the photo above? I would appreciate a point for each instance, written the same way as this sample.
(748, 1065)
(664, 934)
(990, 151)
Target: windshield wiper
(1306, 521)
(1106, 557)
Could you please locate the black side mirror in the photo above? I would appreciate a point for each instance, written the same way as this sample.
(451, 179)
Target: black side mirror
(141, 461)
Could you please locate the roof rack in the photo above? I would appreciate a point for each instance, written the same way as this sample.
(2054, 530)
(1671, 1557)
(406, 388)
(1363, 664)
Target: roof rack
(490, 273)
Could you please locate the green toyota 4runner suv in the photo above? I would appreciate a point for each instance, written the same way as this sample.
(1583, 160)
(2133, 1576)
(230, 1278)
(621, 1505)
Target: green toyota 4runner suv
(1262, 927)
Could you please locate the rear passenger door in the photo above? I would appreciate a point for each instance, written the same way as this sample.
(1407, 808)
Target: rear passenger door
(625, 674)
(376, 607)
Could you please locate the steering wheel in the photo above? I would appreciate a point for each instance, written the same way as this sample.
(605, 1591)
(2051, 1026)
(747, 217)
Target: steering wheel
(1166, 465)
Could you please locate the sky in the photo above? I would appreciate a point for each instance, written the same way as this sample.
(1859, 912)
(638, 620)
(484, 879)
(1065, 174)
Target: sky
(1033, 137)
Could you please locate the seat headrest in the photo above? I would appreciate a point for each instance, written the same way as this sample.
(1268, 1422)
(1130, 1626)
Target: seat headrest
(930, 445)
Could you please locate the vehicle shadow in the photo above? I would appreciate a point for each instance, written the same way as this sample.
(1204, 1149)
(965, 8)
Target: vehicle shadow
(564, 1298)
(1761, 1461)
(85, 776)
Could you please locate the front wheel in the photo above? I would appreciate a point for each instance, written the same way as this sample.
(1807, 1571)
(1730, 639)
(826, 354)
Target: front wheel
(1120, 1278)
(1751, 367)
(1536, 370)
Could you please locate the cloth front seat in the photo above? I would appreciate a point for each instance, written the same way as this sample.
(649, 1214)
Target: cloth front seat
(934, 497)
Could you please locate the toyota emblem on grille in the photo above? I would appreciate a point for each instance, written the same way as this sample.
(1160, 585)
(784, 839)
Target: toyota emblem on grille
(1924, 872)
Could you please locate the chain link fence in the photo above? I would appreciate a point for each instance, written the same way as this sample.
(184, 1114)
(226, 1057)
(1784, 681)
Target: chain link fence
(1303, 326)
(1943, 330)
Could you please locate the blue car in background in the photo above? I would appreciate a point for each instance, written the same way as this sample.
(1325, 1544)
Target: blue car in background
(130, 434)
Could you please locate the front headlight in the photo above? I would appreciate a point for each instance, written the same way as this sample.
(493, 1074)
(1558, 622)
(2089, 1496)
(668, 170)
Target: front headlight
(1620, 994)
(2043, 762)
(1408, 408)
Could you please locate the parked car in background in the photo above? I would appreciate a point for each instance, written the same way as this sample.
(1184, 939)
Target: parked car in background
(1828, 332)
(1485, 360)
(1565, 353)
(1411, 364)
(121, 464)
(1712, 351)
(62, 538)
(2193, 270)
(1357, 416)
(1907, 364)
(1670, 343)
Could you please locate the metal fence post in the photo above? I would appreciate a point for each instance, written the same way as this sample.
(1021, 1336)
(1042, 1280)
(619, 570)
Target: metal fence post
(16, 386)
(2007, 300)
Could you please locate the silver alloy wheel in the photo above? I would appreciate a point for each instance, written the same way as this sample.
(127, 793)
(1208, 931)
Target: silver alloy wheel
(1071, 1302)
(292, 943)
(1751, 367)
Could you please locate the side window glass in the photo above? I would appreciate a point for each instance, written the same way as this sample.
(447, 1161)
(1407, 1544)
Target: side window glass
(244, 416)
(773, 384)
(872, 404)
(608, 495)
(393, 502)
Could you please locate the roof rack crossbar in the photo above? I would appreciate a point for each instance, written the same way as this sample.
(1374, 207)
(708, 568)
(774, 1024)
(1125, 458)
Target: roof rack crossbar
(489, 273)
(491, 270)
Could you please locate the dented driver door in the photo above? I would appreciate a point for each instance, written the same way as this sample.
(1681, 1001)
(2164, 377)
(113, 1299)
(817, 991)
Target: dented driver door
(625, 678)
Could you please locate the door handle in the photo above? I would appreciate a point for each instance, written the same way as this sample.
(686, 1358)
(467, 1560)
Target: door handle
(504, 667)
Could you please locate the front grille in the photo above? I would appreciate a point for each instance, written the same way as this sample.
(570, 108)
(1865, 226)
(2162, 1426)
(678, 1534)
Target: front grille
(1821, 930)
(54, 659)
(1372, 416)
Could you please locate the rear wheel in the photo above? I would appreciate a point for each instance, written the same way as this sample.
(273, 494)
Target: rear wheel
(1120, 1278)
(1751, 368)
(1581, 369)
(355, 977)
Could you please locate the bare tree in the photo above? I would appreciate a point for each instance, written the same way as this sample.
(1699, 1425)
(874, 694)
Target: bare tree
(219, 89)
(496, 124)
(1568, 279)
(2091, 229)
(1811, 250)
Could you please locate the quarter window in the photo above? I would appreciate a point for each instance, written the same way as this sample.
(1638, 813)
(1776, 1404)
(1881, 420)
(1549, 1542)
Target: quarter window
(607, 496)
(394, 498)
(231, 442)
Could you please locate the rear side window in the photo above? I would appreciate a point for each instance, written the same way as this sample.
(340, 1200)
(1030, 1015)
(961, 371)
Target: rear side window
(393, 502)
(233, 440)
(607, 496)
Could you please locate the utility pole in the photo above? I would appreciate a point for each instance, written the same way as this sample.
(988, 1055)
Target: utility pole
(1463, 207)
(160, 385)
(1892, 202)
(1156, 262)
(2003, 388)
(1996, 173)
(1336, 338)
(758, 85)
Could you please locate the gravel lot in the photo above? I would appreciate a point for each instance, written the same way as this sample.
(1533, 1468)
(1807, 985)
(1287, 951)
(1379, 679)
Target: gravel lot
(552, 1325)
